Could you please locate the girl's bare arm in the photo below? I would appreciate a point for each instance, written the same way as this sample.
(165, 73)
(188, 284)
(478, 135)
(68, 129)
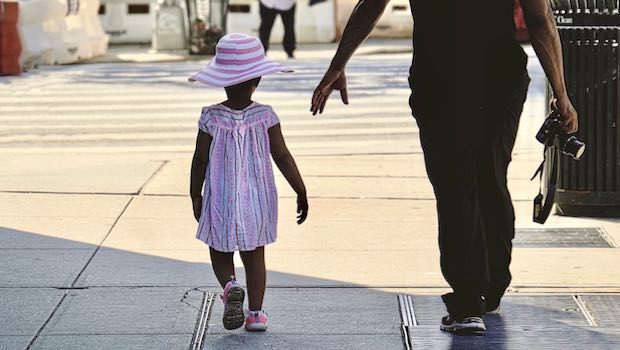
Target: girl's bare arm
(285, 162)
(199, 167)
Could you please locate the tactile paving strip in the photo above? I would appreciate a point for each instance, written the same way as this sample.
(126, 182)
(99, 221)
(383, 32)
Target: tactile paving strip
(575, 237)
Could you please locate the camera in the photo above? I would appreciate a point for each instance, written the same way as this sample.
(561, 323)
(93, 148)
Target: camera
(552, 130)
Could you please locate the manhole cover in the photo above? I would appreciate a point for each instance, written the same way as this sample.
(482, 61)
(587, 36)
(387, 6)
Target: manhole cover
(576, 237)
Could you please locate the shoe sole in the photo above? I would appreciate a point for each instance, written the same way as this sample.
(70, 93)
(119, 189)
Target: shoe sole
(256, 328)
(233, 310)
(464, 329)
(492, 312)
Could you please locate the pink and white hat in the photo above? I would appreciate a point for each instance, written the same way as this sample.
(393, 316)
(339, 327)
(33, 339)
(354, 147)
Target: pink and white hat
(238, 58)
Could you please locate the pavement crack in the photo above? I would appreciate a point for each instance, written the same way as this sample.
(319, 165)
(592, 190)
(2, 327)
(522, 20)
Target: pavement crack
(69, 193)
(157, 171)
(49, 318)
(186, 296)
(101, 243)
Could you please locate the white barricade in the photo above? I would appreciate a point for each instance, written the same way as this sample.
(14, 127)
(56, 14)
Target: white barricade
(39, 30)
(59, 31)
(396, 21)
(170, 26)
(129, 21)
(313, 24)
(89, 10)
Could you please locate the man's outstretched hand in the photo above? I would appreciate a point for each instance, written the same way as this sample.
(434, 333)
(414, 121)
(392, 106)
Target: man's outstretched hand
(333, 80)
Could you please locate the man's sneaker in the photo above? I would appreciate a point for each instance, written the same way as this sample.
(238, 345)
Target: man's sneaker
(256, 321)
(491, 311)
(233, 305)
(491, 305)
(467, 325)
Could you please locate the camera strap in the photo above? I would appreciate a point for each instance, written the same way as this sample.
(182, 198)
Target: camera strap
(544, 203)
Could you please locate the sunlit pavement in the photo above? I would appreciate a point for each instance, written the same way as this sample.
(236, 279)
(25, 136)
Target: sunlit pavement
(97, 239)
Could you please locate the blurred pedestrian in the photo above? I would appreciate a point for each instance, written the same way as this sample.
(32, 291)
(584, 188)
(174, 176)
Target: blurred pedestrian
(469, 81)
(269, 9)
(232, 185)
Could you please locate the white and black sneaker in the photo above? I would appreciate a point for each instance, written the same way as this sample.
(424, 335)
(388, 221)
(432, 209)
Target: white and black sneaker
(466, 326)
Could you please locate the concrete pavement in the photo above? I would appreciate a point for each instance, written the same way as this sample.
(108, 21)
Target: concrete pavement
(97, 236)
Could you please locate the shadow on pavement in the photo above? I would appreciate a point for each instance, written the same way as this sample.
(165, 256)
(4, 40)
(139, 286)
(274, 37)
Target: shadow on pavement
(91, 297)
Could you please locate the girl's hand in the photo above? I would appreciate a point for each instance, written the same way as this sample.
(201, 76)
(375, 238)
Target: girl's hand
(302, 209)
(197, 203)
(333, 80)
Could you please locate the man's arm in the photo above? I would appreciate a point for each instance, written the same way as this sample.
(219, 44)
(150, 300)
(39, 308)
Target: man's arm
(362, 21)
(546, 42)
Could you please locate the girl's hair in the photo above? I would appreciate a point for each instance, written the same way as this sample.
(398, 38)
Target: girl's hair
(246, 85)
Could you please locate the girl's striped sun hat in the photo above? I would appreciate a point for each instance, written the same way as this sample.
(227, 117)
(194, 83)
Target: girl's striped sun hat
(238, 58)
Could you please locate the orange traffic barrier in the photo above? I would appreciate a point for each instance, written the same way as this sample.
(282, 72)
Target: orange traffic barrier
(10, 46)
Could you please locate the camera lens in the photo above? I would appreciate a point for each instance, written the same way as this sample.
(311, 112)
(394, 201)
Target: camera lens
(574, 148)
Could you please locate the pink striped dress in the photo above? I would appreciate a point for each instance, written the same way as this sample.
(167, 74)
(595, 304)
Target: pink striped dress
(240, 204)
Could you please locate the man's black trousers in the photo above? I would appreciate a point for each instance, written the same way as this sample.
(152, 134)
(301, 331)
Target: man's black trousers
(467, 156)
(267, 18)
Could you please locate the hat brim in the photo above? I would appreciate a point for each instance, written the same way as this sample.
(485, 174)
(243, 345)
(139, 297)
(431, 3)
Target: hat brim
(215, 75)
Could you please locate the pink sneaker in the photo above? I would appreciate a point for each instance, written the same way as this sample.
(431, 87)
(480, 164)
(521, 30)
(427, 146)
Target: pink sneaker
(256, 321)
(233, 305)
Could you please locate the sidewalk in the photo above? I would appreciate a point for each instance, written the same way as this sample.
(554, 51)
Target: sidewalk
(97, 239)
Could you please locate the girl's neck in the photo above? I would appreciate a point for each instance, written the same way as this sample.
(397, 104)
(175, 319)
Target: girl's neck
(238, 104)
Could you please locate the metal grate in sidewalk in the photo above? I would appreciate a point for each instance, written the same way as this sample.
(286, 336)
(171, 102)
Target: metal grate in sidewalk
(524, 322)
(202, 322)
(604, 308)
(408, 318)
(574, 237)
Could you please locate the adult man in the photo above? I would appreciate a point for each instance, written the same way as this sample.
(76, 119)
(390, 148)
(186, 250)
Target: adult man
(469, 81)
(269, 9)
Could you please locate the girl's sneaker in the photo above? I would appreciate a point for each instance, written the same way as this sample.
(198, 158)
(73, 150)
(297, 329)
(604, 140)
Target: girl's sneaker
(256, 321)
(233, 305)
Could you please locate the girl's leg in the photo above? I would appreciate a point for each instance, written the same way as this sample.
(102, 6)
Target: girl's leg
(256, 277)
(223, 266)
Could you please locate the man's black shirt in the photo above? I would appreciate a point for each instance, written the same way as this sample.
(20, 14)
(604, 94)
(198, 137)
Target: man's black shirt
(465, 53)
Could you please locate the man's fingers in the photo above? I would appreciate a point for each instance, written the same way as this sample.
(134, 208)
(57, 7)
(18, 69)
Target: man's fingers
(572, 126)
(344, 96)
(318, 108)
(322, 107)
(554, 104)
(315, 103)
(315, 96)
(302, 216)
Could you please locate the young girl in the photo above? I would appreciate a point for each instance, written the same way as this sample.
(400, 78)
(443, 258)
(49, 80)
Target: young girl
(237, 209)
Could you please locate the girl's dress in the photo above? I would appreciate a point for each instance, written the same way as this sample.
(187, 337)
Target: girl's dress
(240, 207)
